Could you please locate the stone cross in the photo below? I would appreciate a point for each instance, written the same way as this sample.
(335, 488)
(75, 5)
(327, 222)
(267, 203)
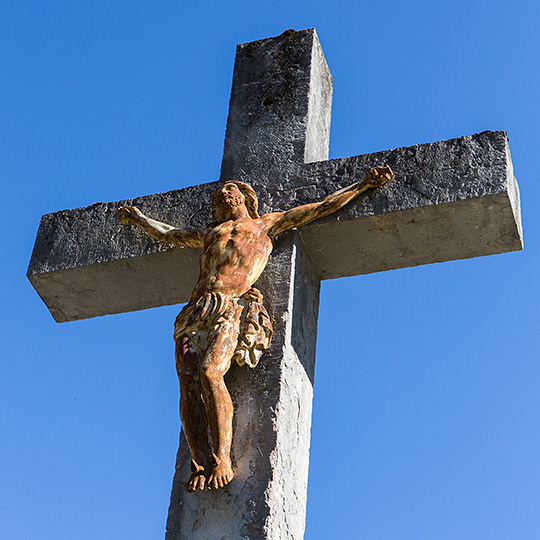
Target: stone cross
(449, 200)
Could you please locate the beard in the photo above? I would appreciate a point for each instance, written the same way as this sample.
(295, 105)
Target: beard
(224, 205)
(232, 201)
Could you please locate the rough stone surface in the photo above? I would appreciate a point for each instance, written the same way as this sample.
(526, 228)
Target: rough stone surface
(449, 200)
(279, 112)
(86, 264)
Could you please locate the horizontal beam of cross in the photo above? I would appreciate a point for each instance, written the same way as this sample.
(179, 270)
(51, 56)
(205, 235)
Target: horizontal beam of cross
(449, 200)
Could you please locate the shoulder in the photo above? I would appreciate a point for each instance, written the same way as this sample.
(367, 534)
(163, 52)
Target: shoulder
(270, 218)
(193, 238)
(269, 222)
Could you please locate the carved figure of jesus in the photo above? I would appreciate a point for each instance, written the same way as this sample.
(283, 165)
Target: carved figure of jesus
(225, 319)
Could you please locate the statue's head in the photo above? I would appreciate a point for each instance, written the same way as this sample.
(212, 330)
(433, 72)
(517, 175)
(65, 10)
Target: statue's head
(231, 195)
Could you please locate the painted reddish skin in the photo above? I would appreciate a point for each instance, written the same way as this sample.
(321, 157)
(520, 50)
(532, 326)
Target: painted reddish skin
(235, 251)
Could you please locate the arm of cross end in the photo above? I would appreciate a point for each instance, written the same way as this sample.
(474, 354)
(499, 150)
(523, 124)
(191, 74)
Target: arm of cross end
(301, 215)
(131, 215)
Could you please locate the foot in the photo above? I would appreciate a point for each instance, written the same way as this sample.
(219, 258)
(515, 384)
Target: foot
(221, 473)
(197, 480)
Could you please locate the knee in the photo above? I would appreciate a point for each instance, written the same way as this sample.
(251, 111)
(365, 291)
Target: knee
(187, 368)
(211, 375)
(189, 382)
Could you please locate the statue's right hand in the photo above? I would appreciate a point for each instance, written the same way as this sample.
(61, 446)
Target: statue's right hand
(128, 215)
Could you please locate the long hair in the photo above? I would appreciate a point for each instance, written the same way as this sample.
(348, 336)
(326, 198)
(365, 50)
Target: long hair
(247, 191)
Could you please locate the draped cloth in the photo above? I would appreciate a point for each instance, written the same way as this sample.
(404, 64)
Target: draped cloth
(203, 319)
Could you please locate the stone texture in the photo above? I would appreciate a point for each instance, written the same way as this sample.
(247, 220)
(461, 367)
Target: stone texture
(269, 133)
(449, 200)
(86, 264)
(279, 112)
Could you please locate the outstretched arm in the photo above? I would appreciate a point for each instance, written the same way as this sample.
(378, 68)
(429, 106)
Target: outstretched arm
(131, 215)
(301, 215)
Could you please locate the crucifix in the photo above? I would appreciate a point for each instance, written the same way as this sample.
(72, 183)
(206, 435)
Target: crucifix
(448, 200)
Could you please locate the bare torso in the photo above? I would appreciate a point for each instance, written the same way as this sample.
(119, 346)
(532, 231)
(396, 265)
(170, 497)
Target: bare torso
(234, 255)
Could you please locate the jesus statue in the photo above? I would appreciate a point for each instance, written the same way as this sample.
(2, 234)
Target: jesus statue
(225, 319)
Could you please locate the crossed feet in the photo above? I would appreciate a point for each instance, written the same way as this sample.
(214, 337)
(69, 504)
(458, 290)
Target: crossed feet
(220, 475)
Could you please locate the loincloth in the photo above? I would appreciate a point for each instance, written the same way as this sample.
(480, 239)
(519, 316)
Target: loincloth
(204, 319)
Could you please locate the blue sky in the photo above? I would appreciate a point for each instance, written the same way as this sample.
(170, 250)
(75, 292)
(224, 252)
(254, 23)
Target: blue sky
(426, 420)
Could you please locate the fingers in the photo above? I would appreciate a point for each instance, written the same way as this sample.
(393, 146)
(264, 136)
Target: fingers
(127, 214)
(378, 176)
(383, 171)
(123, 215)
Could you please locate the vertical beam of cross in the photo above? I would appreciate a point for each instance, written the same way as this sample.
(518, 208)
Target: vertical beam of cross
(279, 118)
(279, 112)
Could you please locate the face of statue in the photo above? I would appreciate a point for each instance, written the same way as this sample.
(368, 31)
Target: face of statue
(232, 196)
(228, 198)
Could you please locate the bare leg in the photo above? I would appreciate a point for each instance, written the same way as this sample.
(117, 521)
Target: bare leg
(193, 414)
(219, 408)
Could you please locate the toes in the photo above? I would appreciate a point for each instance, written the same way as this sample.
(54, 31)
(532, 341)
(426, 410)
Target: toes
(214, 483)
(196, 483)
(199, 483)
(218, 480)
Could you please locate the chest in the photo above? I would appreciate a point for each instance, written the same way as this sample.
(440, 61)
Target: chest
(238, 235)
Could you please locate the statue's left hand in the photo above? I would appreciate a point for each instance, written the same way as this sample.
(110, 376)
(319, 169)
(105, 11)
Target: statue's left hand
(377, 176)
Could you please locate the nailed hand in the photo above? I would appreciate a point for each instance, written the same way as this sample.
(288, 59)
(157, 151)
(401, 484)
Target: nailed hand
(128, 215)
(377, 176)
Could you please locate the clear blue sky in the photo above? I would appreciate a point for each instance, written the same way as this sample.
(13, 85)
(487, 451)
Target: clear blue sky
(427, 401)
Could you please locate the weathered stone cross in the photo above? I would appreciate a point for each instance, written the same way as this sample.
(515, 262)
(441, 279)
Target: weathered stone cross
(449, 200)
